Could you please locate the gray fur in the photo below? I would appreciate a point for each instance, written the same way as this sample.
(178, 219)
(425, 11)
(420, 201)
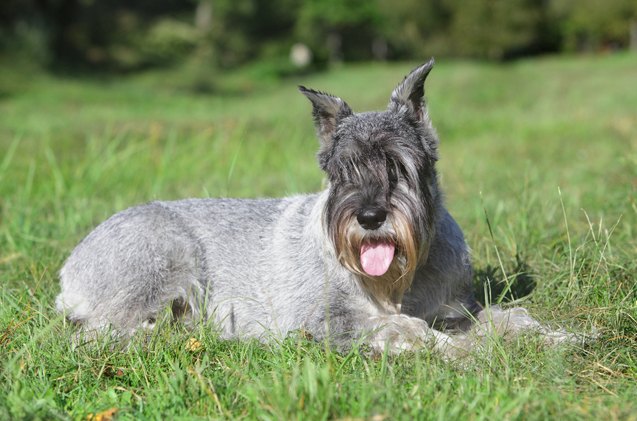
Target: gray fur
(262, 268)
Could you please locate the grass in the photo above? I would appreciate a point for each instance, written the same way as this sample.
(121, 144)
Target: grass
(539, 162)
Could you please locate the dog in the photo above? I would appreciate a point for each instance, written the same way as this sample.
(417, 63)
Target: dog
(375, 258)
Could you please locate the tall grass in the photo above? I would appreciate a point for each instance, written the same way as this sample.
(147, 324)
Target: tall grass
(545, 151)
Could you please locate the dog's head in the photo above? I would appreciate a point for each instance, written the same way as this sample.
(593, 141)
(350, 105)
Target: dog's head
(383, 191)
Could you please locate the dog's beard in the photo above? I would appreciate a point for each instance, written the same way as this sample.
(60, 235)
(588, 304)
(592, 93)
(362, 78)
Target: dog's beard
(384, 259)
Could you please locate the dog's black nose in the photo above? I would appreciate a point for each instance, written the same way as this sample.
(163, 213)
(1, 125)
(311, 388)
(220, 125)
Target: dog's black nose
(371, 218)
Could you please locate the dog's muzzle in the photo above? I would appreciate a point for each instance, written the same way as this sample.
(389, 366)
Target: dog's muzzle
(376, 255)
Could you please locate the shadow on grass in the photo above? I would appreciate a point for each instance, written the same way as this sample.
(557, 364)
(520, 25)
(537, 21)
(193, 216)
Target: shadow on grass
(490, 285)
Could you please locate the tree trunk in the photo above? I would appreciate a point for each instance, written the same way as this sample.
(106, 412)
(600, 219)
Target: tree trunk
(203, 16)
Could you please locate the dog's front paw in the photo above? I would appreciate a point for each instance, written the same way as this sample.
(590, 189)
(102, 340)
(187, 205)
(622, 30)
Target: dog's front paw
(398, 333)
(514, 321)
(495, 320)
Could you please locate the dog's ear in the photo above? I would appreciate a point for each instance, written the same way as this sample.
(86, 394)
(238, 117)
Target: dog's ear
(328, 110)
(409, 94)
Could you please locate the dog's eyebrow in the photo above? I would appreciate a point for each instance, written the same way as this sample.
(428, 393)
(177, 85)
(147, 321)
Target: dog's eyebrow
(404, 166)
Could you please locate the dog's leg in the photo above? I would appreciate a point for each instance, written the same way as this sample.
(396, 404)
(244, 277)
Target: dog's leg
(442, 289)
(398, 332)
(129, 269)
(516, 321)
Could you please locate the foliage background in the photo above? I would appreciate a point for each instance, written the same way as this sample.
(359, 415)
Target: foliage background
(125, 35)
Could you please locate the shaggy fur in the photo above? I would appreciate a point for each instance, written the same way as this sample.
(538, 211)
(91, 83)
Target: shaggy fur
(261, 268)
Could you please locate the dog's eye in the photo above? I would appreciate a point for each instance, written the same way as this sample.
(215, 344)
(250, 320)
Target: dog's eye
(393, 175)
(396, 170)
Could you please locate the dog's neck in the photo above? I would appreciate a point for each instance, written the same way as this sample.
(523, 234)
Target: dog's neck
(387, 291)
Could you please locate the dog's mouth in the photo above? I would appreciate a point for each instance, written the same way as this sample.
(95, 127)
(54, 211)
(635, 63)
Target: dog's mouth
(376, 256)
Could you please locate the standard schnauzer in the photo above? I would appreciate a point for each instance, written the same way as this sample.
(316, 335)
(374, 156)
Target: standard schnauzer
(374, 258)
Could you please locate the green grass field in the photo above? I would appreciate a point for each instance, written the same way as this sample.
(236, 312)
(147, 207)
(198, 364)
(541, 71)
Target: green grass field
(545, 150)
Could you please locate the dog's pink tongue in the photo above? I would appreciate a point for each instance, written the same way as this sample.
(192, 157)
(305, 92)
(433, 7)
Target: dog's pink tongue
(376, 257)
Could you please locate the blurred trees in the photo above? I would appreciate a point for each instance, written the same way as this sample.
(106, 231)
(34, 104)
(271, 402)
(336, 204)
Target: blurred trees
(107, 33)
(339, 29)
(134, 34)
(587, 25)
(243, 30)
(496, 28)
